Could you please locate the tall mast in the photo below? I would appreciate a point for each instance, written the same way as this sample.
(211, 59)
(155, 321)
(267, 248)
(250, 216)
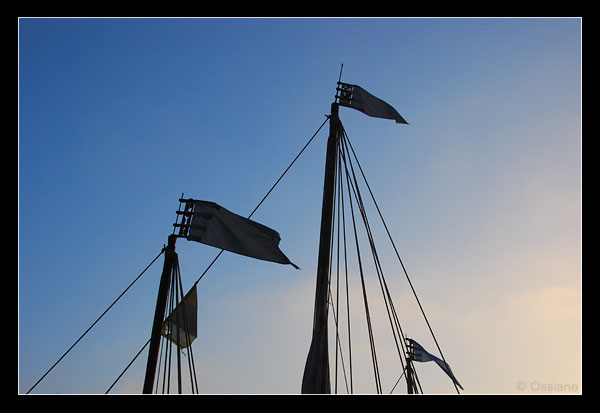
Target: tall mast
(316, 370)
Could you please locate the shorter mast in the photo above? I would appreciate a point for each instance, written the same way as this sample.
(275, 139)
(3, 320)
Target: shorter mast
(159, 313)
(170, 264)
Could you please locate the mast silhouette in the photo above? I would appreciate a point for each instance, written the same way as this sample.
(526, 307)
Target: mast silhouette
(316, 371)
(161, 302)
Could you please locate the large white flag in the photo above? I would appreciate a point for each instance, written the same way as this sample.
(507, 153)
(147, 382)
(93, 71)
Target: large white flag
(181, 326)
(214, 225)
(355, 97)
(420, 354)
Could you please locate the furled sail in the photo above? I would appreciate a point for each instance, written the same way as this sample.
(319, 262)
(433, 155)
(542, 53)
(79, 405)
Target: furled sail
(181, 326)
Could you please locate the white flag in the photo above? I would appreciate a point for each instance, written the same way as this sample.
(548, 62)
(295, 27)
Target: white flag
(214, 225)
(355, 97)
(420, 354)
(181, 326)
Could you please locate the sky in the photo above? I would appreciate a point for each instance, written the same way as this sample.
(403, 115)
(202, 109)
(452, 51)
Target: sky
(118, 117)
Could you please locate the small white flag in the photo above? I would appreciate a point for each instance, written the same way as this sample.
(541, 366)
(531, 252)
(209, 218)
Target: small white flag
(420, 354)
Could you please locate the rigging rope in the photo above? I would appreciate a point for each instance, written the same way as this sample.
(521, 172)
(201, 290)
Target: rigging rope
(94, 323)
(365, 298)
(346, 159)
(353, 192)
(398, 335)
(268, 193)
(126, 368)
(191, 364)
(340, 211)
(392, 316)
(172, 313)
(398, 255)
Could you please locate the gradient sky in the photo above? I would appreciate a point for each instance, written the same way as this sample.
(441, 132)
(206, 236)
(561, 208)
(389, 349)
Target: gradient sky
(481, 192)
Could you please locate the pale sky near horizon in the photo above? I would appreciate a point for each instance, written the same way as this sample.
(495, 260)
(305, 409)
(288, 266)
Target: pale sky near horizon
(481, 191)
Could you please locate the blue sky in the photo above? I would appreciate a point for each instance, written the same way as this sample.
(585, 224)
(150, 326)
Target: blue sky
(482, 191)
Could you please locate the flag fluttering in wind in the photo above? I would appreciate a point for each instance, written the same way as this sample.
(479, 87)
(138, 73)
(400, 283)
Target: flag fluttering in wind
(181, 326)
(420, 354)
(353, 96)
(213, 225)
